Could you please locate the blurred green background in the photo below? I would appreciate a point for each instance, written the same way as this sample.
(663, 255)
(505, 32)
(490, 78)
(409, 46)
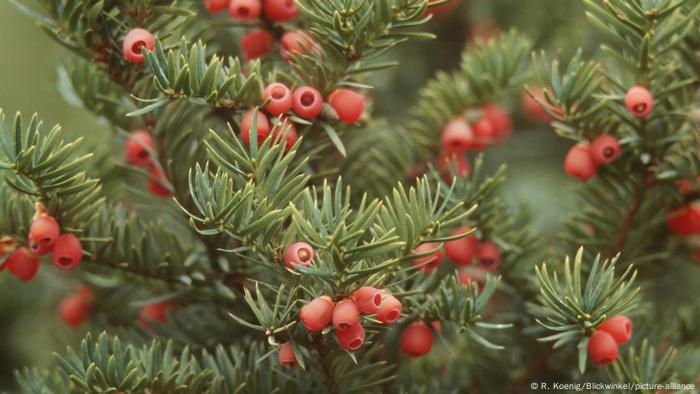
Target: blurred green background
(29, 327)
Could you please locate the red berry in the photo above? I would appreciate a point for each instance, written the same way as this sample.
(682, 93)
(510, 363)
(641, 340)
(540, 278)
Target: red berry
(461, 250)
(256, 44)
(352, 338)
(298, 253)
(532, 108)
(285, 127)
(602, 348)
(317, 314)
(639, 101)
(605, 149)
(389, 310)
(295, 41)
(244, 10)
(489, 256)
(263, 126)
(22, 264)
(75, 309)
(685, 220)
(457, 136)
(307, 102)
(443, 9)
(368, 299)
(280, 99)
(134, 41)
(453, 164)
(67, 252)
(216, 5)
(157, 183)
(137, 148)
(579, 162)
(286, 357)
(619, 327)
(345, 315)
(430, 262)
(280, 10)
(484, 133)
(43, 234)
(156, 312)
(348, 104)
(416, 339)
(500, 119)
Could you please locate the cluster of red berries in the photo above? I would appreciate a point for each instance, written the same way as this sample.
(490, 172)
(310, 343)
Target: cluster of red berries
(44, 237)
(461, 251)
(138, 148)
(490, 124)
(306, 102)
(603, 345)
(76, 308)
(249, 10)
(583, 159)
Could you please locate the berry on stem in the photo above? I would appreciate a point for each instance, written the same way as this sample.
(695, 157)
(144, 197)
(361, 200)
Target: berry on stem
(449, 164)
(619, 327)
(389, 310)
(280, 10)
(256, 44)
(430, 262)
(602, 348)
(295, 41)
(579, 162)
(532, 108)
(134, 42)
(22, 264)
(286, 357)
(285, 128)
(75, 309)
(500, 119)
(317, 314)
(368, 299)
(484, 133)
(156, 183)
(263, 126)
(416, 339)
(216, 5)
(489, 256)
(67, 252)
(605, 149)
(685, 220)
(457, 136)
(156, 312)
(43, 234)
(461, 250)
(345, 315)
(307, 102)
(280, 98)
(244, 10)
(348, 104)
(137, 146)
(639, 101)
(352, 338)
(298, 253)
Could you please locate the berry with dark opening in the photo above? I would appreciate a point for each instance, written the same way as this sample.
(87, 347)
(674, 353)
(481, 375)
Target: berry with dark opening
(22, 264)
(620, 327)
(134, 42)
(286, 356)
(280, 98)
(280, 10)
(579, 162)
(67, 252)
(416, 339)
(462, 250)
(390, 309)
(489, 256)
(298, 253)
(348, 104)
(256, 44)
(430, 262)
(602, 348)
(457, 136)
(639, 101)
(244, 10)
(605, 149)
(43, 234)
(317, 314)
(352, 338)
(307, 102)
(368, 299)
(345, 315)
(137, 148)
